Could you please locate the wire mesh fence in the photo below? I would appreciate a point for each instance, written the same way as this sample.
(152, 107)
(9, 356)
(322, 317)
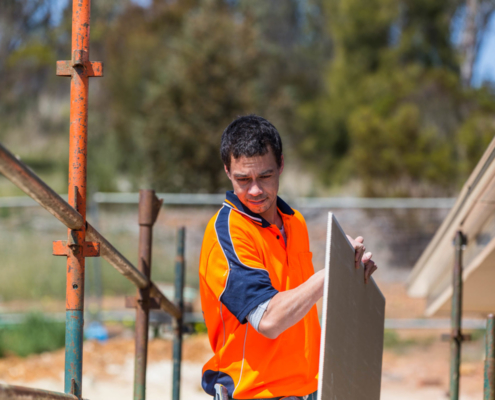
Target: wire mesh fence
(395, 234)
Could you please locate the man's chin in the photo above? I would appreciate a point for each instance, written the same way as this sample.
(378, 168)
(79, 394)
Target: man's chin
(259, 209)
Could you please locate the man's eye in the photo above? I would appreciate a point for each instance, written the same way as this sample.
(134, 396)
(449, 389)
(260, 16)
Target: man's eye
(242, 179)
(265, 176)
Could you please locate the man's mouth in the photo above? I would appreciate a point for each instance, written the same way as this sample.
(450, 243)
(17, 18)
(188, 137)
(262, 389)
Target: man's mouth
(257, 202)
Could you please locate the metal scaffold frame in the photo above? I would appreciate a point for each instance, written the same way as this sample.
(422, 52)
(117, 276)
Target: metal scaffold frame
(83, 240)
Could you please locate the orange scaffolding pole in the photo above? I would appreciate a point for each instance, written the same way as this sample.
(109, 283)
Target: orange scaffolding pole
(80, 69)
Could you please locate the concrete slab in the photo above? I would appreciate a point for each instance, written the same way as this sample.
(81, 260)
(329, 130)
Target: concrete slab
(353, 320)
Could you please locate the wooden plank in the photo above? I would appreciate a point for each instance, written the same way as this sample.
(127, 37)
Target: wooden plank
(352, 326)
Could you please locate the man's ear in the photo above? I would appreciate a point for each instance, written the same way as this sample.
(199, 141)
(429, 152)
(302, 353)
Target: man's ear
(227, 171)
(281, 165)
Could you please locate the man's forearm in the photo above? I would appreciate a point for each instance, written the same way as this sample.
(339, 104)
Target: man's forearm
(289, 307)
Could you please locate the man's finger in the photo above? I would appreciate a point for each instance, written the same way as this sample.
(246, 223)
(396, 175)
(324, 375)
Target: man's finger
(369, 271)
(368, 268)
(367, 257)
(359, 251)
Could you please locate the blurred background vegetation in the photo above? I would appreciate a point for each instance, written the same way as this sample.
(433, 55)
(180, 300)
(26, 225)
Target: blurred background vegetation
(36, 334)
(372, 97)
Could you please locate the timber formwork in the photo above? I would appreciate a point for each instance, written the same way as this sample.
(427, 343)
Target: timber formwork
(83, 240)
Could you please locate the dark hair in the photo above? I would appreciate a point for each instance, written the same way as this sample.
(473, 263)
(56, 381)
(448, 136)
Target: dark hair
(250, 136)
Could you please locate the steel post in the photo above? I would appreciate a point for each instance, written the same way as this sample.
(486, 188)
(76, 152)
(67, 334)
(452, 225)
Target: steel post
(178, 322)
(456, 337)
(79, 68)
(77, 198)
(489, 381)
(26, 180)
(149, 207)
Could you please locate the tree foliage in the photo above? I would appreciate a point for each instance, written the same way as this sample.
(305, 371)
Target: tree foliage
(366, 91)
(186, 71)
(395, 115)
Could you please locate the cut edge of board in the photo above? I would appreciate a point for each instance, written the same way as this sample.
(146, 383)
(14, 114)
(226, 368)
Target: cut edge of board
(324, 311)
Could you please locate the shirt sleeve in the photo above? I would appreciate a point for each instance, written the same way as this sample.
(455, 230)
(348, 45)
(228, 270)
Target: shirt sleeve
(254, 317)
(248, 282)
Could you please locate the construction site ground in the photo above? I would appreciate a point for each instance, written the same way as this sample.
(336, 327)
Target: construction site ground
(415, 362)
(415, 371)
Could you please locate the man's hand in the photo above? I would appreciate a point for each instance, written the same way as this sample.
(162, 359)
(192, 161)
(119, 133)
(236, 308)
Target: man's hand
(369, 264)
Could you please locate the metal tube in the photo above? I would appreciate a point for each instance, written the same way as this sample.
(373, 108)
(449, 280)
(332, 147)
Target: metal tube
(180, 273)
(165, 304)
(456, 317)
(147, 217)
(116, 259)
(11, 392)
(24, 178)
(489, 381)
(77, 196)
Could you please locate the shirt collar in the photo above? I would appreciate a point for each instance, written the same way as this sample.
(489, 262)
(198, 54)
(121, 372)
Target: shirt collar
(233, 201)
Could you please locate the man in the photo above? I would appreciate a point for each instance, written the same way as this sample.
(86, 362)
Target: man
(257, 282)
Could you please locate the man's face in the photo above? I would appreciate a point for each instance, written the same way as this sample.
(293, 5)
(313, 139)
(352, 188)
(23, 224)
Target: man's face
(256, 180)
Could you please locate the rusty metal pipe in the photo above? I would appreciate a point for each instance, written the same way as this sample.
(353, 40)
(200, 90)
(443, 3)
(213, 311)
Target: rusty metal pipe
(149, 207)
(11, 392)
(116, 259)
(78, 149)
(178, 323)
(165, 304)
(24, 178)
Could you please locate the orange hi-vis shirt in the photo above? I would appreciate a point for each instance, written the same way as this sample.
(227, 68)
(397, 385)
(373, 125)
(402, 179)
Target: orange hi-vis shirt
(244, 262)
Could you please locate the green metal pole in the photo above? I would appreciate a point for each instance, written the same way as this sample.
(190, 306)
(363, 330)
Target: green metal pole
(456, 317)
(179, 301)
(489, 383)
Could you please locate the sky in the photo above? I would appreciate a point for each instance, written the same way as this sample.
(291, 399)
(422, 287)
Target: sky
(484, 68)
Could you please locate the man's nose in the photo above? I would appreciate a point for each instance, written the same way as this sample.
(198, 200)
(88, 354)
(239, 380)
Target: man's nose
(255, 190)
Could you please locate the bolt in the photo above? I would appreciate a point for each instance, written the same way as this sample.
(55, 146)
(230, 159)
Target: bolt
(74, 286)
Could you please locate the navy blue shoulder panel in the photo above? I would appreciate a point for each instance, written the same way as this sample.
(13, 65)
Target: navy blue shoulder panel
(211, 377)
(246, 287)
(284, 207)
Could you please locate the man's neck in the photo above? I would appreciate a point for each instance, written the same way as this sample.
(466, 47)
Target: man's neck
(272, 215)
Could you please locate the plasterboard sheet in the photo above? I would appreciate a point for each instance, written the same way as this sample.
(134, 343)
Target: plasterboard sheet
(352, 326)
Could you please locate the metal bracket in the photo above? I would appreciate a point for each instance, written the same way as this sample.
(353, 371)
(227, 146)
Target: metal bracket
(447, 337)
(90, 249)
(132, 302)
(463, 240)
(80, 60)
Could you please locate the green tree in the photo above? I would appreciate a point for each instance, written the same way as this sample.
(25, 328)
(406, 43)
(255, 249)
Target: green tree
(395, 114)
(180, 73)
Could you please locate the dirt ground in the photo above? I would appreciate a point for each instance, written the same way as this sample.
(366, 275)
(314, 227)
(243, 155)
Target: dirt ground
(415, 363)
(418, 370)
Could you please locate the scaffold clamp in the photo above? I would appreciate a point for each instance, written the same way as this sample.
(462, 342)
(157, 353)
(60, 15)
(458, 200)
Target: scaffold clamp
(80, 59)
(90, 249)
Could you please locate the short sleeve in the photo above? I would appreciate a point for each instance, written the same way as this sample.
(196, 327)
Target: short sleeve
(248, 282)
